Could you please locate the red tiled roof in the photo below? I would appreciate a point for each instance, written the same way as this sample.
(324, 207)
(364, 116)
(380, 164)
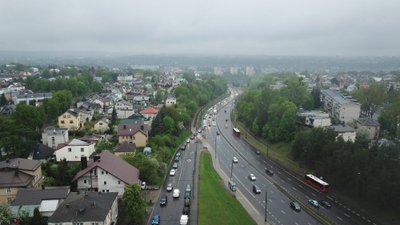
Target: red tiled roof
(115, 166)
(149, 110)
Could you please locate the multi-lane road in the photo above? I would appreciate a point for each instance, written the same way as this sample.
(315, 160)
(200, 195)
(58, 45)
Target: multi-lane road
(228, 145)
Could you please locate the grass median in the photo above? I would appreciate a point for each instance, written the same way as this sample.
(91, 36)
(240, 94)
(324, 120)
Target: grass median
(216, 204)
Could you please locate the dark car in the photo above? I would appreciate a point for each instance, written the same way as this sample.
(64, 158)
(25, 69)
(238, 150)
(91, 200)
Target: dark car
(175, 165)
(163, 200)
(325, 204)
(187, 194)
(178, 154)
(156, 220)
(269, 172)
(177, 159)
(258, 152)
(183, 147)
(256, 189)
(186, 202)
(186, 210)
(295, 206)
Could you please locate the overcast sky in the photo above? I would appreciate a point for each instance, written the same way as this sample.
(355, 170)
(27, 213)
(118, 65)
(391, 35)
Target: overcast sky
(248, 27)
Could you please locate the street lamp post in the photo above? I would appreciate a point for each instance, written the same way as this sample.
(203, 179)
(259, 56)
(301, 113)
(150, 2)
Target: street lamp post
(231, 169)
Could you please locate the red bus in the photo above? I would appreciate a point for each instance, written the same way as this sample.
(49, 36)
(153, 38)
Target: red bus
(236, 132)
(316, 182)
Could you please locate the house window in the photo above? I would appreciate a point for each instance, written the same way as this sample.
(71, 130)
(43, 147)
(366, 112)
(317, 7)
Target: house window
(64, 116)
(69, 149)
(102, 172)
(62, 122)
(9, 200)
(84, 181)
(105, 182)
(103, 191)
(58, 224)
(101, 124)
(82, 150)
(77, 223)
(8, 190)
(107, 190)
(71, 121)
(95, 223)
(119, 182)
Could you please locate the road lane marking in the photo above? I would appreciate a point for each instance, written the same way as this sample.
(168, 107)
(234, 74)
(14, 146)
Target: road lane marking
(283, 212)
(339, 218)
(347, 215)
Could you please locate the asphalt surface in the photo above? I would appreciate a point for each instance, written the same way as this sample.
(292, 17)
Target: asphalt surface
(172, 211)
(228, 145)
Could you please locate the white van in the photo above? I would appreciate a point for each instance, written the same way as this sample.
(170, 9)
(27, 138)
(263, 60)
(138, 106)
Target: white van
(184, 220)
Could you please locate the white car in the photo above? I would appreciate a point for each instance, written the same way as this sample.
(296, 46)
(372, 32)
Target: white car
(175, 193)
(172, 172)
(235, 160)
(143, 185)
(252, 177)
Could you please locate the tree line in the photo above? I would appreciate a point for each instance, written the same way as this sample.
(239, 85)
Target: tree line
(366, 170)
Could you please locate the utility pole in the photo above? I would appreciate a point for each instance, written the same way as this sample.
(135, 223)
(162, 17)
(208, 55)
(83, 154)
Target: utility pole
(215, 146)
(266, 210)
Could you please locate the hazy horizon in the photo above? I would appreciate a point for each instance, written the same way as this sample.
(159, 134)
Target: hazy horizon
(341, 28)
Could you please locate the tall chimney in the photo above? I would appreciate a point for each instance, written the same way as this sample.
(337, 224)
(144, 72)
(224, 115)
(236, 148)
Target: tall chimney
(83, 162)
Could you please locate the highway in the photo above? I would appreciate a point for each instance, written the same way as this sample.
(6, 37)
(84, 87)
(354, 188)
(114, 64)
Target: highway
(171, 213)
(228, 145)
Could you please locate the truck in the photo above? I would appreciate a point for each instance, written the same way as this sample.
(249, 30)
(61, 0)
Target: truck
(184, 220)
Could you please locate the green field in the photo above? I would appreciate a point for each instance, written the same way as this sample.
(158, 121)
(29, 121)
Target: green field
(216, 204)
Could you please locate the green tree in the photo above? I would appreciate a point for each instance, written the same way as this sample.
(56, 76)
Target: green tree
(5, 214)
(371, 98)
(134, 203)
(113, 116)
(37, 218)
(169, 124)
(31, 116)
(3, 100)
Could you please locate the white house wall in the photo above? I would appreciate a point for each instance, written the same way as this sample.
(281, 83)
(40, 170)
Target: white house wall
(75, 154)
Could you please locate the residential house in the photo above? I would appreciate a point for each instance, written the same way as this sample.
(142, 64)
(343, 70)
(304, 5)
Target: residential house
(343, 108)
(106, 173)
(16, 174)
(88, 208)
(149, 113)
(41, 152)
(125, 149)
(53, 136)
(141, 100)
(368, 127)
(85, 115)
(170, 101)
(315, 119)
(46, 200)
(70, 120)
(346, 132)
(74, 150)
(124, 109)
(102, 125)
(31, 99)
(133, 133)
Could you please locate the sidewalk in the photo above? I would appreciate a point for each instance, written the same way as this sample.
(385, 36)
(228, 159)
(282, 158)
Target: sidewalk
(258, 218)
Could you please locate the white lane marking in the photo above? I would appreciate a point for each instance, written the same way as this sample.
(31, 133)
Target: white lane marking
(294, 188)
(347, 215)
(300, 186)
(309, 223)
(283, 212)
(339, 218)
(314, 194)
(289, 178)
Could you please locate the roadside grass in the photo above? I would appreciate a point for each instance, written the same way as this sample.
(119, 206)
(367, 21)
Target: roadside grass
(216, 204)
